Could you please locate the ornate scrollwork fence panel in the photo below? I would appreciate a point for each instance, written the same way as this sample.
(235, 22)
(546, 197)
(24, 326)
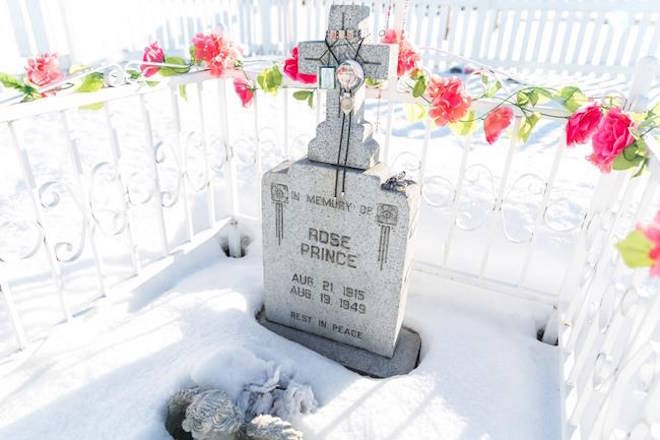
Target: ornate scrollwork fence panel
(102, 198)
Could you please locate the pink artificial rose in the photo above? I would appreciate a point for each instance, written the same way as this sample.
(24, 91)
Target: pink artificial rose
(218, 52)
(582, 124)
(611, 138)
(408, 58)
(244, 90)
(205, 47)
(217, 66)
(652, 232)
(496, 122)
(449, 102)
(43, 70)
(153, 54)
(291, 69)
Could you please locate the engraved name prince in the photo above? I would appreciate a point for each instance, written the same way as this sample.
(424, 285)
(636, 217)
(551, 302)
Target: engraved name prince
(330, 247)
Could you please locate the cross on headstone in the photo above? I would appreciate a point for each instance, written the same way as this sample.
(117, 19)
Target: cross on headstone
(345, 41)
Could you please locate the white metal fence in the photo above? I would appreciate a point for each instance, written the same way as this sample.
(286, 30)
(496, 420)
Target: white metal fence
(609, 324)
(188, 167)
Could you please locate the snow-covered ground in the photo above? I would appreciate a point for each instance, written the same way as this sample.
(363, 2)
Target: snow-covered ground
(482, 375)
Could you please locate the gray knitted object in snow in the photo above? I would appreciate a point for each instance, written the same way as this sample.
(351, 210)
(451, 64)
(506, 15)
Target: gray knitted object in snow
(180, 400)
(294, 400)
(277, 395)
(212, 415)
(257, 397)
(267, 427)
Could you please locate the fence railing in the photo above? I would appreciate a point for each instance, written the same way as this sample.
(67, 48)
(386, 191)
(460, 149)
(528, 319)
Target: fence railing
(587, 36)
(468, 204)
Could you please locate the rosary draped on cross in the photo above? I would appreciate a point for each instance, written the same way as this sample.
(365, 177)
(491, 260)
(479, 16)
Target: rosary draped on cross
(341, 64)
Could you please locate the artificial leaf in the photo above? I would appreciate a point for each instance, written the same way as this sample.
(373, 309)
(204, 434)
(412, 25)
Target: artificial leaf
(270, 79)
(305, 95)
(635, 249)
(415, 112)
(644, 165)
(302, 95)
(571, 98)
(420, 86)
(656, 109)
(543, 94)
(648, 123)
(522, 99)
(622, 163)
(171, 71)
(484, 79)
(182, 91)
(373, 83)
(11, 82)
(493, 89)
(527, 126)
(631, 156)
(91, 83)
(151, 83)
(533, 97)
(133, 74)
(527, 97)
(464, 126)
(630, 152)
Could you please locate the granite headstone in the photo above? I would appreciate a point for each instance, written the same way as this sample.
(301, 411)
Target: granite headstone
(337, 224)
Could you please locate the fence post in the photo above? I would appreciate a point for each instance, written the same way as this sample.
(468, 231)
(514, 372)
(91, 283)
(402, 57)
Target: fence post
(645, 73)
(229, 165)
(28, 175)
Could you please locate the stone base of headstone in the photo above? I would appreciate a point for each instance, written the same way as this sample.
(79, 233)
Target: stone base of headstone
(404, 360)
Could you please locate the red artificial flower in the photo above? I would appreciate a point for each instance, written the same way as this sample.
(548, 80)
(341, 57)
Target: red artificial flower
(449, 102)
(291, 69)
(408, 58)
(582, 124)
(43, 70)
(496, 121)
(218, 52)
(153, 54)
(652, 233)
(206, 46)
(244, 90)
(611, 138)
(217, 66)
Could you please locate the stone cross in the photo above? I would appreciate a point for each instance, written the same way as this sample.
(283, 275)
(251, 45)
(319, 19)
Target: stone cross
(346, 41)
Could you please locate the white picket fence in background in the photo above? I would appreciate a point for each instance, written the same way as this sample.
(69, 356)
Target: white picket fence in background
(608, 318)
(572, 36)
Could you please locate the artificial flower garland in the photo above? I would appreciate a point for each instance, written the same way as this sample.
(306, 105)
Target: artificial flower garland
(617, 137)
